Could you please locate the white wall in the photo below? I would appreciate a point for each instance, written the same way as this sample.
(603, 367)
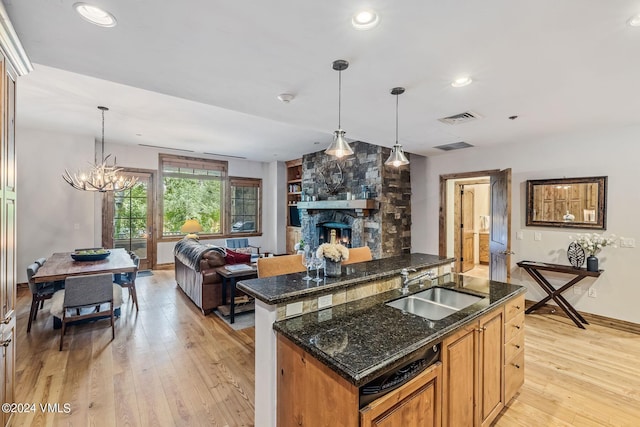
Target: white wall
(53, 217)
(613, 153)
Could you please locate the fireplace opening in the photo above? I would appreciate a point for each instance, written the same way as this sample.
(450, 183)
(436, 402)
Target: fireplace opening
(343, 233)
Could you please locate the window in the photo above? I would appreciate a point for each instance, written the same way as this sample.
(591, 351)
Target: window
(192, 188)
(245, 205)
(200, 189)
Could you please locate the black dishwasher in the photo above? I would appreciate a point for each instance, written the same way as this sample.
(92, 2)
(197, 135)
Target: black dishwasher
(394, 378)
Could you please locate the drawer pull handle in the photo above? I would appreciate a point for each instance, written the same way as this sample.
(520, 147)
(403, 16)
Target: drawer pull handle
(517, 307)
(6, 321)
(516, 365)
(5, 343)
(517, 326)
(517, 346)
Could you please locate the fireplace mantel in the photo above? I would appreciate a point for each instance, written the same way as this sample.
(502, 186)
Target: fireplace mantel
(361, 206)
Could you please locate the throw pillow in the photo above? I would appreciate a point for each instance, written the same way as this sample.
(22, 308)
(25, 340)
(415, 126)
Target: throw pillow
(234, 257)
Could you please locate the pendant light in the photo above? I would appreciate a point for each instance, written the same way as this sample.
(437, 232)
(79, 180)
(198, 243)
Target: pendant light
(101, 177)
(397, 157)
(339, 147)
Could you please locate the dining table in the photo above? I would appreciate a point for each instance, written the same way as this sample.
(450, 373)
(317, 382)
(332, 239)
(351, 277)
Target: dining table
(60, 265)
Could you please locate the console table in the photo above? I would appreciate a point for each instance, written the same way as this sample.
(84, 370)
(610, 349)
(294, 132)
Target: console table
(534, 269)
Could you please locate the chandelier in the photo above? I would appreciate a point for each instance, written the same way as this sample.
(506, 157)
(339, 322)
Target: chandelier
(101, 176)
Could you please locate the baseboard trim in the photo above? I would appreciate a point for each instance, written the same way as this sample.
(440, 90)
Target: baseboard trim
(167, 266)
(596, 319)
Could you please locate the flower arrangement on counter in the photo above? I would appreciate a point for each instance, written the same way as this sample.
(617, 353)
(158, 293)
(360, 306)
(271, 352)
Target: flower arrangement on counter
(592, 243)
(333, 251)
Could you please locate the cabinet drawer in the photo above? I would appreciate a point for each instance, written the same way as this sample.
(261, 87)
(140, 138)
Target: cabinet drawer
(514, 307)
(513, 376)
(513, 346)
(513, 327)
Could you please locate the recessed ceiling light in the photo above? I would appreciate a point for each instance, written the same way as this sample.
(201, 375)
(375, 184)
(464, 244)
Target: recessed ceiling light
(286, 97)
(461, 81)
(95, 15)
(365, 19)
(634, 21)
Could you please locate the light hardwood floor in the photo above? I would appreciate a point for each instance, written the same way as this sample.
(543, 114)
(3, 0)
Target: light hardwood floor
(169, 365)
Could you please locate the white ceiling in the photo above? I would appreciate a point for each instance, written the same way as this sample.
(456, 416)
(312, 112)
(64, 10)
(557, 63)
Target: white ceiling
(204, 74)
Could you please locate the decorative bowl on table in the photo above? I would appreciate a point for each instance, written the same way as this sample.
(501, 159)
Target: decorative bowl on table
(91, 254)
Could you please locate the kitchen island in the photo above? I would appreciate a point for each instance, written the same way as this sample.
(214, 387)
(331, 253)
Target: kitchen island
(356, 337)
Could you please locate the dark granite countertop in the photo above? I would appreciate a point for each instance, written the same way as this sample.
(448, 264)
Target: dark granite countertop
(289, 287)
(364, 338)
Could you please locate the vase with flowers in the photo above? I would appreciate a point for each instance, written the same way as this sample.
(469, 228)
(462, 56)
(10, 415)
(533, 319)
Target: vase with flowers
(333, 254)
(593, 243)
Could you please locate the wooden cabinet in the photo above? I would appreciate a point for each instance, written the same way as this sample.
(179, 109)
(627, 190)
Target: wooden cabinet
(416, 403)
(293, 236)
(7, 366)
(513, 347)
(481, 368)
(484, 248)
(473, 372)
(311, 394)
(294, 193)
(7, 233)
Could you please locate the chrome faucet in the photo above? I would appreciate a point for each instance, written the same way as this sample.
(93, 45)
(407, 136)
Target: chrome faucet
(406, 281)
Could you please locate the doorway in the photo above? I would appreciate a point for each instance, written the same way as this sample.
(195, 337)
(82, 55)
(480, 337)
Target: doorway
(475, 222)
(127, 218)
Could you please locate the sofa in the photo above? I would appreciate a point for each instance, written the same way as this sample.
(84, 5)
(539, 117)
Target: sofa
(195, 272)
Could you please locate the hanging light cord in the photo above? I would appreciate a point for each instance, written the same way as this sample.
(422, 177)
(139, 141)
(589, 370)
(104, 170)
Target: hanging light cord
(397, 95)
(102, 145)
(339, 97)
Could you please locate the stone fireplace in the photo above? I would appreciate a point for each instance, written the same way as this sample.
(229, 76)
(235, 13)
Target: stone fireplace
(366, 202)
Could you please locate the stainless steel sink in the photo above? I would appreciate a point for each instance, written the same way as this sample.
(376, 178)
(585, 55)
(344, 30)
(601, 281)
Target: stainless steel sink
(421, 307)
(435, 303)
(448, 297)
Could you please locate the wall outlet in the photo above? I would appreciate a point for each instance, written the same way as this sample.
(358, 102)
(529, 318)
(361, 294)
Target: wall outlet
(592, 292)
(325, 301)
(577, 290)
(627, 242)
(537, 236)
(293, 309)
(520, 235)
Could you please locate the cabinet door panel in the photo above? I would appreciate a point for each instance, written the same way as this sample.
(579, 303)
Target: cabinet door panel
(513, 308)
(415, 404)
(514, 327)
(513, 346)
(460, 379)
(492, 363)
(514, 375)
(416, 411)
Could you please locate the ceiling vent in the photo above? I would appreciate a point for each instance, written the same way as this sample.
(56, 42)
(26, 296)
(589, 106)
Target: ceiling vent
(457, 119)
(453, 146)
(224, 155)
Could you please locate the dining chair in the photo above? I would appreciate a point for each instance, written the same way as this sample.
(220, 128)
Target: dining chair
(358, 255)
(128, 280)
(277, 265)
(87, 297)
(40, 261)
(39, 293)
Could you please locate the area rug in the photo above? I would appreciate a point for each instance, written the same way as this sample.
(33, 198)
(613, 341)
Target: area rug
(242, 321)
(145, 273)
